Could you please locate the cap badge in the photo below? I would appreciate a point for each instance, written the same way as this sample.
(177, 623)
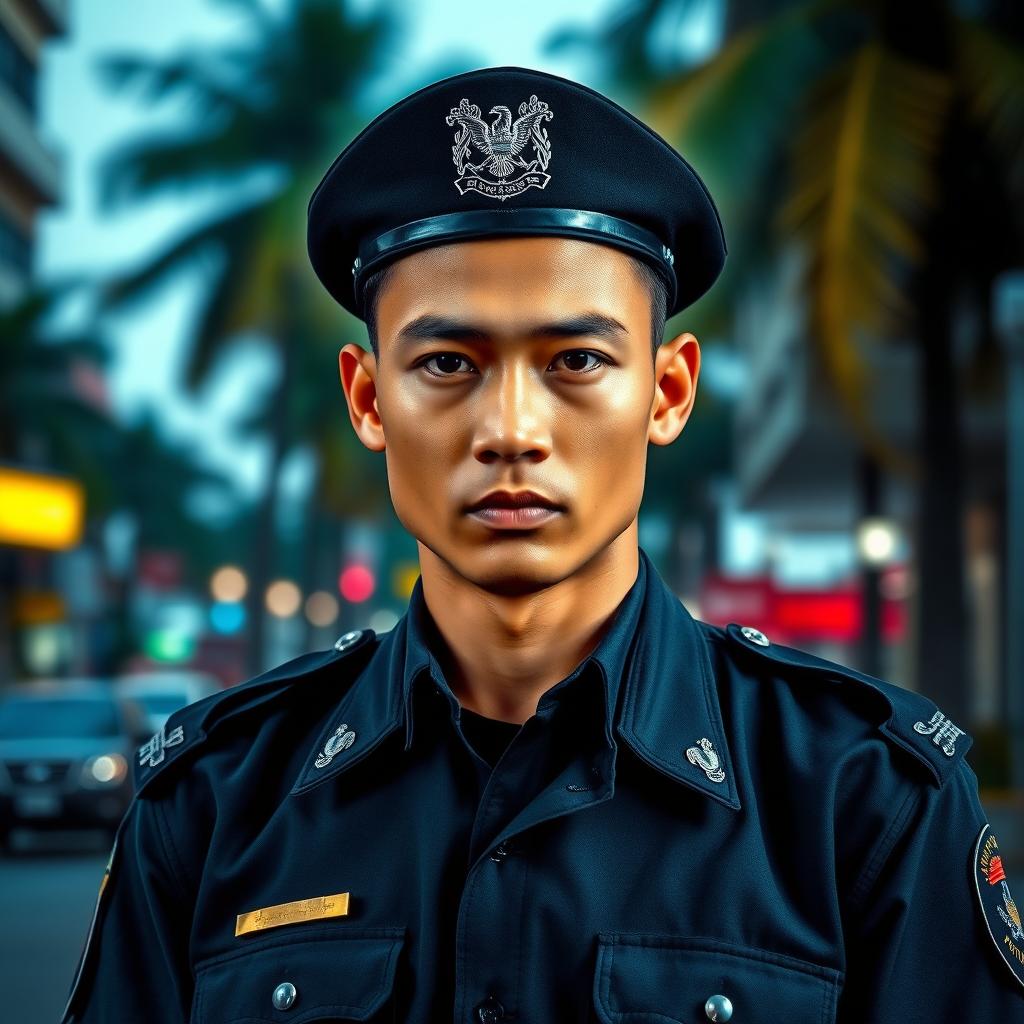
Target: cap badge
(500, 143)
(704, 756)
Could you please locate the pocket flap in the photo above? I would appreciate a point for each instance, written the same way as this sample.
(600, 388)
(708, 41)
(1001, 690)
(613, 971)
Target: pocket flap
(667, 978)
(335, 974)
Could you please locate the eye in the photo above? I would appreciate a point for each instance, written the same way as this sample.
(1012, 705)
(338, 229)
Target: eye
(572, 360)
(447, 362)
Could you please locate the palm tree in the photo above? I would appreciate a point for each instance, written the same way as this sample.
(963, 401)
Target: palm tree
(46, 420)
(888, 141)
(272, 111)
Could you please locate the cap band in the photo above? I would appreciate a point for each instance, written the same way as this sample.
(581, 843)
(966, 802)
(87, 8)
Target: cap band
(583, 224)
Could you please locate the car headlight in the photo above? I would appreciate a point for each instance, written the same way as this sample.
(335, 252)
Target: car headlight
(104, 770)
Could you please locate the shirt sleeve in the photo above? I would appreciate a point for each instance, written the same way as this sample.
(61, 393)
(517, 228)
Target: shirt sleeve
(135, 963)
(931, 937)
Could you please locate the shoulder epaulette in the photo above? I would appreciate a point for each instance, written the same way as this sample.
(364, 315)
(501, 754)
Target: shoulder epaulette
(189, 726)
(915, 722)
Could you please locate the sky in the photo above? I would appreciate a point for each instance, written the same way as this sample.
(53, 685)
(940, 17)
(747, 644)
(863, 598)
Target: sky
(82, 119)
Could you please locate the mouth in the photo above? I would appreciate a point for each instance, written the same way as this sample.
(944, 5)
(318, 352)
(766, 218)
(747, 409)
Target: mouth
(514, 510)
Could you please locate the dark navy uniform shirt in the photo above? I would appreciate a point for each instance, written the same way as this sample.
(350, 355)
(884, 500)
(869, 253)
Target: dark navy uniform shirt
(696, 824)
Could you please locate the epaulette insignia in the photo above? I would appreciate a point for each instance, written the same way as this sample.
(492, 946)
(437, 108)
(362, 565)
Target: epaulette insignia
(915, 723)
(187, 727)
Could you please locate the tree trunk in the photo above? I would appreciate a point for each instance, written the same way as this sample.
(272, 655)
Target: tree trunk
(922, 33)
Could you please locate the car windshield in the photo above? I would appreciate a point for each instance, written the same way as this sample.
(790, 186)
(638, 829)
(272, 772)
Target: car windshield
(61, 717)
(160, 703)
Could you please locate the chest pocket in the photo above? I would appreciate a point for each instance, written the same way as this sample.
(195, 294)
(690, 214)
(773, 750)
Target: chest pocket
(314, 974)
(641, 977)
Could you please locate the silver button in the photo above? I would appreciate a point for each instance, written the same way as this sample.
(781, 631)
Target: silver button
(347, 640)
(284, 996)
(755, 636)
(718, 1008)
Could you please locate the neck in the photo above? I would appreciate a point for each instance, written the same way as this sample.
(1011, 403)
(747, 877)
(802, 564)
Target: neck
(501, 653)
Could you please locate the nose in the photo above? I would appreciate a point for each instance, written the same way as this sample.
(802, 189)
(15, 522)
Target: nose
(513, 416)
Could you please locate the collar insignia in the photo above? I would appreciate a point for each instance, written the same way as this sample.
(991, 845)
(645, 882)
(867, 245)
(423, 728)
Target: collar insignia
(704, 756)
(342, 738)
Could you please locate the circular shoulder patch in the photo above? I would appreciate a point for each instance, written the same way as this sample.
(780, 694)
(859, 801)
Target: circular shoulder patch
(997, 907)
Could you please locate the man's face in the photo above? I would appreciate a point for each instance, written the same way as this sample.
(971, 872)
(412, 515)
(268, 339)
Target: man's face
(515, 364)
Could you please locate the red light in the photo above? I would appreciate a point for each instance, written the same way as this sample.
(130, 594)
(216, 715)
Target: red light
(356, 583)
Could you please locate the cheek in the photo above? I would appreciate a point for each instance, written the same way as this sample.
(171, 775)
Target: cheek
(421, 452)
(608, 442)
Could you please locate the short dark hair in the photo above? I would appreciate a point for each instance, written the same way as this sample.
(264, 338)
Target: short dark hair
(652, 281)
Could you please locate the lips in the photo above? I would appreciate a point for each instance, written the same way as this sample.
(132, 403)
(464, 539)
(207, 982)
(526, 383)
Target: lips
(513, 500)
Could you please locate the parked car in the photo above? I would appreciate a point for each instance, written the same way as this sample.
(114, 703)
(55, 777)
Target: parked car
(162, 692)
(65, 755)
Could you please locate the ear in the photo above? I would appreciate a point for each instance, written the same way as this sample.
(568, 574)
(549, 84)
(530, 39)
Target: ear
(676, 367)
(358, 370)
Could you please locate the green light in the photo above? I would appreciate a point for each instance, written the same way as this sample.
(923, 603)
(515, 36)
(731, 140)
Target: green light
(169, 645)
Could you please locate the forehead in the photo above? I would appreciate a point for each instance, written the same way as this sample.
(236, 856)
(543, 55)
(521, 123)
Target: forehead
(532, 276)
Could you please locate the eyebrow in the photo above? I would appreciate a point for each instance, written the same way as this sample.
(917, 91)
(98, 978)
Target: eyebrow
(431, 326)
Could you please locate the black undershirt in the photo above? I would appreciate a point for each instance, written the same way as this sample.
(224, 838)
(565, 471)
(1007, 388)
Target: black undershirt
(487, 736)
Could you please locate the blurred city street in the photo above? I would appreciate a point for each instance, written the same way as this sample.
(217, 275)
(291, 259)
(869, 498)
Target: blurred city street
(48, 900)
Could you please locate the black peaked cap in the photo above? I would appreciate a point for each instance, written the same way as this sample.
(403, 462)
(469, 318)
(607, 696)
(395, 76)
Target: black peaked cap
(511, 151)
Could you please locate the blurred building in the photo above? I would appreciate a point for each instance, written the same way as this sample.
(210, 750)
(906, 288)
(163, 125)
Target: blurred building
(30, 171)
(798, 466)
(30, 180)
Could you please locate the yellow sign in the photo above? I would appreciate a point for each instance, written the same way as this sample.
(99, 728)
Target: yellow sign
(40, 511)
(290, 913)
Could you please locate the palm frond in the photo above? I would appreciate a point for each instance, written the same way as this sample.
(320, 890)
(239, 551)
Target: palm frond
(991, 74)
(194, 75)
(172, 161)
(216, 234)
(863, 182)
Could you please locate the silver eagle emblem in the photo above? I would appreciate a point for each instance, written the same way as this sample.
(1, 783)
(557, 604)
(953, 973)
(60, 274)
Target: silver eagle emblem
(704, 756)
(501, 144)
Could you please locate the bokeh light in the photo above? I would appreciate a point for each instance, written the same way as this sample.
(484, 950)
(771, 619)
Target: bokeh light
(321, 608)
(356, 583)
(228, 584)
(227, 617)
(876, 540)
(283, 599)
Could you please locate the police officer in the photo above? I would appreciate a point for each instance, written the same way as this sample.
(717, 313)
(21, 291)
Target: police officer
(549, 794)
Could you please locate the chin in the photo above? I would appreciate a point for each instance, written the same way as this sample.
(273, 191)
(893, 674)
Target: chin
(509, 566)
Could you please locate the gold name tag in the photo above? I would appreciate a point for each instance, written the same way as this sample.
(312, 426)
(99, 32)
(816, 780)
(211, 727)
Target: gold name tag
(289, 913)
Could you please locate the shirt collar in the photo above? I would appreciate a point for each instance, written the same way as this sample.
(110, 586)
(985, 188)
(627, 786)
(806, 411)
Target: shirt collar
(422, 668)
(659, 689)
